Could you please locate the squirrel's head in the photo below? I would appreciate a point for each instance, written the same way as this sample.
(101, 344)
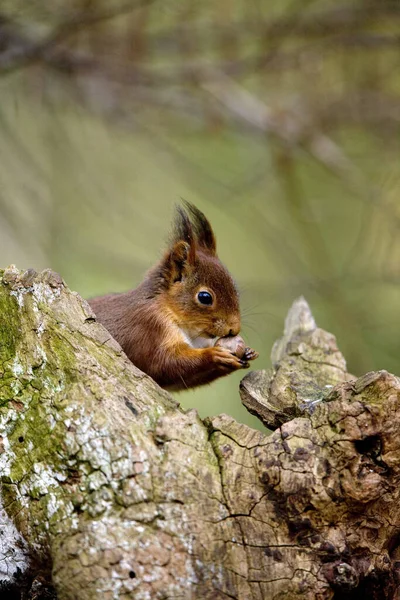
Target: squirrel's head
(198, 288)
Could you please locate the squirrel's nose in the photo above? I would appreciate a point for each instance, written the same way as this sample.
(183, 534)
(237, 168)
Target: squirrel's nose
(234, 326)
(233, 332)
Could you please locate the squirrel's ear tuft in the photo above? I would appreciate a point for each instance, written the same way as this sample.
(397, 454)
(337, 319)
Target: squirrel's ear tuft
(183, 230)
(204, 234)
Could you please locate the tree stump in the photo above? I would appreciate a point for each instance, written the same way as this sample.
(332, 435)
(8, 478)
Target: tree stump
(110, 490)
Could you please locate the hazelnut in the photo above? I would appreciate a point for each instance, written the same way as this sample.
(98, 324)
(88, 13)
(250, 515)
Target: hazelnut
(235, 345)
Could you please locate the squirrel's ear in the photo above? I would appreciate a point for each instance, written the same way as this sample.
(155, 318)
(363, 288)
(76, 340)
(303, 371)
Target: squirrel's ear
(177, 262)
(182, 251)
(204, 234)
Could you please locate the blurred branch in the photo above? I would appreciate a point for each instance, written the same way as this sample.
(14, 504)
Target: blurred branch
(339, 26)
(20, 51)
(287, 126)
(337, 21)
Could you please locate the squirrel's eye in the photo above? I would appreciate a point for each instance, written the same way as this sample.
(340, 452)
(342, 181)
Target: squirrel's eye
(205, 298)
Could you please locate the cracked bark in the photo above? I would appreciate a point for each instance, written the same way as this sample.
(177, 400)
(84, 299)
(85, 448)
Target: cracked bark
(110, 490)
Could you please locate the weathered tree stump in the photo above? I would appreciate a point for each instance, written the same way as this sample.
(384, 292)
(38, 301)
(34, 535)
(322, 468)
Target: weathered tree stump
(110, 490)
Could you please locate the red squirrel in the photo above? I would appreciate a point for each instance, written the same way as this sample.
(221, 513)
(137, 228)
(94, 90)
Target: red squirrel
(169, 324)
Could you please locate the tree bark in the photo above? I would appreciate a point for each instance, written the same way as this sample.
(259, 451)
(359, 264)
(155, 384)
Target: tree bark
(110, 490)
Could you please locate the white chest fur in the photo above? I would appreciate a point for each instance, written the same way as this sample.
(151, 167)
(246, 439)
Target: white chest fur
(198, 341)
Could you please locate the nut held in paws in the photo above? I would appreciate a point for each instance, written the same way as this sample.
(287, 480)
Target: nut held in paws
(235, 345)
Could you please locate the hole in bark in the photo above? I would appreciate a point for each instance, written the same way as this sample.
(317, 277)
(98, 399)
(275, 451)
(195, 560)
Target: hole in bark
(129, 405)
(28, 586)
(132, 574)
(274, 552)
(378, 585)
(371, 448)
(21, 438)
(73, 476)
(393, 545)
(299, 525)
(11, 593)
(370, 445)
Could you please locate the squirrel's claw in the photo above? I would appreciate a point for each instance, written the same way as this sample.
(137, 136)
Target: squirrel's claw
(249, 354)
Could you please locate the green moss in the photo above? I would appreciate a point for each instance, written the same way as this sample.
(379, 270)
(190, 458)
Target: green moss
(33, 428)
(9, 493)
(61, 358)
(9, 324)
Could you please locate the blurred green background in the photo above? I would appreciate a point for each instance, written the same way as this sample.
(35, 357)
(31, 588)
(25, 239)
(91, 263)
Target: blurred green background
(279, 119)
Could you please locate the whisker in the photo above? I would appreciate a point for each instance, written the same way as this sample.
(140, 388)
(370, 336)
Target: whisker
(262, 312)
(256, 331)
(184, 382)
(253, 306)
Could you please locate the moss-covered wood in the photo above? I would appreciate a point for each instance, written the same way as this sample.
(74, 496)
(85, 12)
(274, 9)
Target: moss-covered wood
(109, 490)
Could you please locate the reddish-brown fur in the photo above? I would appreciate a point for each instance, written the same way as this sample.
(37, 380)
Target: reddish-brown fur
(161, 323)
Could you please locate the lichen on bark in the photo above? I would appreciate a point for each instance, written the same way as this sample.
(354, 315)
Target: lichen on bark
(110, 490)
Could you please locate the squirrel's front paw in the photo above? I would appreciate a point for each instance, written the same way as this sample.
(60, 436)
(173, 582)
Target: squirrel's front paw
(226, 360)
(236, 346)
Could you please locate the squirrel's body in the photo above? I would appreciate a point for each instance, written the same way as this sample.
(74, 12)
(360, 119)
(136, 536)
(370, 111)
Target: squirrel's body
(167, 325)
